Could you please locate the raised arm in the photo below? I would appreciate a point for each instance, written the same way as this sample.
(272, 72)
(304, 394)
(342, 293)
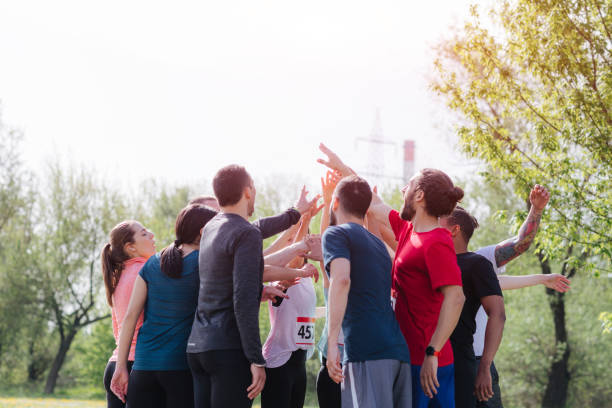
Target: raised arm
(333, 162)
(285, 255)
(274, 273)
(270, 226)
(508, 250)
(285, 239)
(379, 210)
(119, 382)
(328, 185)
(553, 281)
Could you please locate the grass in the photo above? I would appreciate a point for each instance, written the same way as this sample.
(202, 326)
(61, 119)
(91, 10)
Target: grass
(48, 403)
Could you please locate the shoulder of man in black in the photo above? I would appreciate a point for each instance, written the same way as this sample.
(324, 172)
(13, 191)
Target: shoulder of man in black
(483, 276)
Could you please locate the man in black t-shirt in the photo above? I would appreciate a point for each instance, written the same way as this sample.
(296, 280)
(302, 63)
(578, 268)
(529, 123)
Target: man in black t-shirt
(481, 287)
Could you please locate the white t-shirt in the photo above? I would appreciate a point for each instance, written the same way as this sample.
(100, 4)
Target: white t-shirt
(292, 325)
(481, 317)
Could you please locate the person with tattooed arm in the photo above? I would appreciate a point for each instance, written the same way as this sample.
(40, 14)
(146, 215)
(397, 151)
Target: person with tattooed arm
(499, 255)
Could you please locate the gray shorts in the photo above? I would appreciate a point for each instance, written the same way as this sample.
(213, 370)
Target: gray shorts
(377, 383)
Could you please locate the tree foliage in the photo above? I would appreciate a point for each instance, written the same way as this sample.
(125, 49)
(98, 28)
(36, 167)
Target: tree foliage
(532, 86)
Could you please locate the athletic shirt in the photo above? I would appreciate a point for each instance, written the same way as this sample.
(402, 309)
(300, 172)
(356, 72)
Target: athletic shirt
(479, 281)
(322, 345)
(168, 315)
(292, 324)
(424, 262)
(370, 329)
(481, 316)
(121, 300)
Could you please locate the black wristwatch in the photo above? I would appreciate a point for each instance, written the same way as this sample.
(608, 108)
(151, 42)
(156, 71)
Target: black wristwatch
(430, 351)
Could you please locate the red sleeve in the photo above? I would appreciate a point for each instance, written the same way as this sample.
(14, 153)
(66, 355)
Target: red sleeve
(442, 265)
(397, 224)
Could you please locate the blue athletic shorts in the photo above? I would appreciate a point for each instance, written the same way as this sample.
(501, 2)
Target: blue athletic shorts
(445, 398)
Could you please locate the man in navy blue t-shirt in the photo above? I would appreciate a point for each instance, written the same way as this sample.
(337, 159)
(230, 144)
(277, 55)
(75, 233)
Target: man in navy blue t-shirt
(376, 358)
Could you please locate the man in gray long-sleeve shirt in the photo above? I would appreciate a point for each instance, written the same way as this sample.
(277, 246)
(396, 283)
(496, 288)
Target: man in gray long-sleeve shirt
(224, 348)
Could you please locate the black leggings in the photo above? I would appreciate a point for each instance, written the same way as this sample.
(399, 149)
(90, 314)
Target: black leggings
(220, 379)
(163, 389)
(111, 399)
(286, 385)
(328, 392)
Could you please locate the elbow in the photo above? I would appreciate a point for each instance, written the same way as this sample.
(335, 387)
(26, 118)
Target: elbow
(458, 298)
(501, 317)
(341, 282)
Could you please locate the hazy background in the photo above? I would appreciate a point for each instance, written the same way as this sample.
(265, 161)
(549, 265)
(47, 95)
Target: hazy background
(174, 91)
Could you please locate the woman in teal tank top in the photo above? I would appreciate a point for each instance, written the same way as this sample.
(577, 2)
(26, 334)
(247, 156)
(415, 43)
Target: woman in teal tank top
(167, 290)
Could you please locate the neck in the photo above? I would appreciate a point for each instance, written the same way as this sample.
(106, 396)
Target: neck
(423, 222)
(460, 246)
(188, 248)
(240, 208)
(344, 218)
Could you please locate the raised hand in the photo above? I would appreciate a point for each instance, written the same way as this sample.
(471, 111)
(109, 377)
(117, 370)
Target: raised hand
(328, 185)
(557, 282)
(303, 204)
(376, 200)
(314, 244)
(538, 197)
(334, 162)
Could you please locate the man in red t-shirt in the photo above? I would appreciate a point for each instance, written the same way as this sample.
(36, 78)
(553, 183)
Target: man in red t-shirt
(426, 282)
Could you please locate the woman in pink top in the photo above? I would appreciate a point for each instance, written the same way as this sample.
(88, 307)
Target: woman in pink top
(130, 246)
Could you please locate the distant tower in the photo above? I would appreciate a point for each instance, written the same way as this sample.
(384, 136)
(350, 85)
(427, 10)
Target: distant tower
(408, 160)
(375, 151)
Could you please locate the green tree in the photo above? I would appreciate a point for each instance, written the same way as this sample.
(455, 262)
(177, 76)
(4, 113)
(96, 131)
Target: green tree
(75, 213)
(532, 92)
(16, 232)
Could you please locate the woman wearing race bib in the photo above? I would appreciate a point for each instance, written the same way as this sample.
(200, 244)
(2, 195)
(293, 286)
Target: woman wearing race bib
(130, 246)
(291, 340)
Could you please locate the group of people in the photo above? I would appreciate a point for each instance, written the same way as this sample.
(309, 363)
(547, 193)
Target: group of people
(412, 318)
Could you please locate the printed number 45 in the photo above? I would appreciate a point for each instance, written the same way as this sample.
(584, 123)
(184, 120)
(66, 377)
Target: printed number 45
(305, 332)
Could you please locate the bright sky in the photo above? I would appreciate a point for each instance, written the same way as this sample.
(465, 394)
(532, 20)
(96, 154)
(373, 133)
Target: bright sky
(174, 90)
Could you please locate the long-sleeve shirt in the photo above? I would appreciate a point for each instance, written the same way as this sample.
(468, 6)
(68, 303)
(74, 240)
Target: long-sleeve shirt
(231, 273)
(270, 226)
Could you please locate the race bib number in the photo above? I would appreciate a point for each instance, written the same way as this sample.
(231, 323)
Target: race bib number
(305, 332)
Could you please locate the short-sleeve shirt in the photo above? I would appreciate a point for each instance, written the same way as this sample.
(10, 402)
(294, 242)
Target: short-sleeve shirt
(481, 317)
(479, 281)
(424, 262)
(370, 329)
(168, 315)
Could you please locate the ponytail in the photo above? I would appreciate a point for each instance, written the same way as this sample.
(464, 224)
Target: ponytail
(189, 223)
(113, 256)
(172, 260)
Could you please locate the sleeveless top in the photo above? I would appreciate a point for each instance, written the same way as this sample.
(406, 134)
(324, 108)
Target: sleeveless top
(292, 325)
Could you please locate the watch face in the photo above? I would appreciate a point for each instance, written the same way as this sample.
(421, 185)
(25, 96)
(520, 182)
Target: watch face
(429, 351)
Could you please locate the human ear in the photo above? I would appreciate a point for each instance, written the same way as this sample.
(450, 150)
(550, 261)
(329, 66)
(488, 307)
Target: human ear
(335, 204)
